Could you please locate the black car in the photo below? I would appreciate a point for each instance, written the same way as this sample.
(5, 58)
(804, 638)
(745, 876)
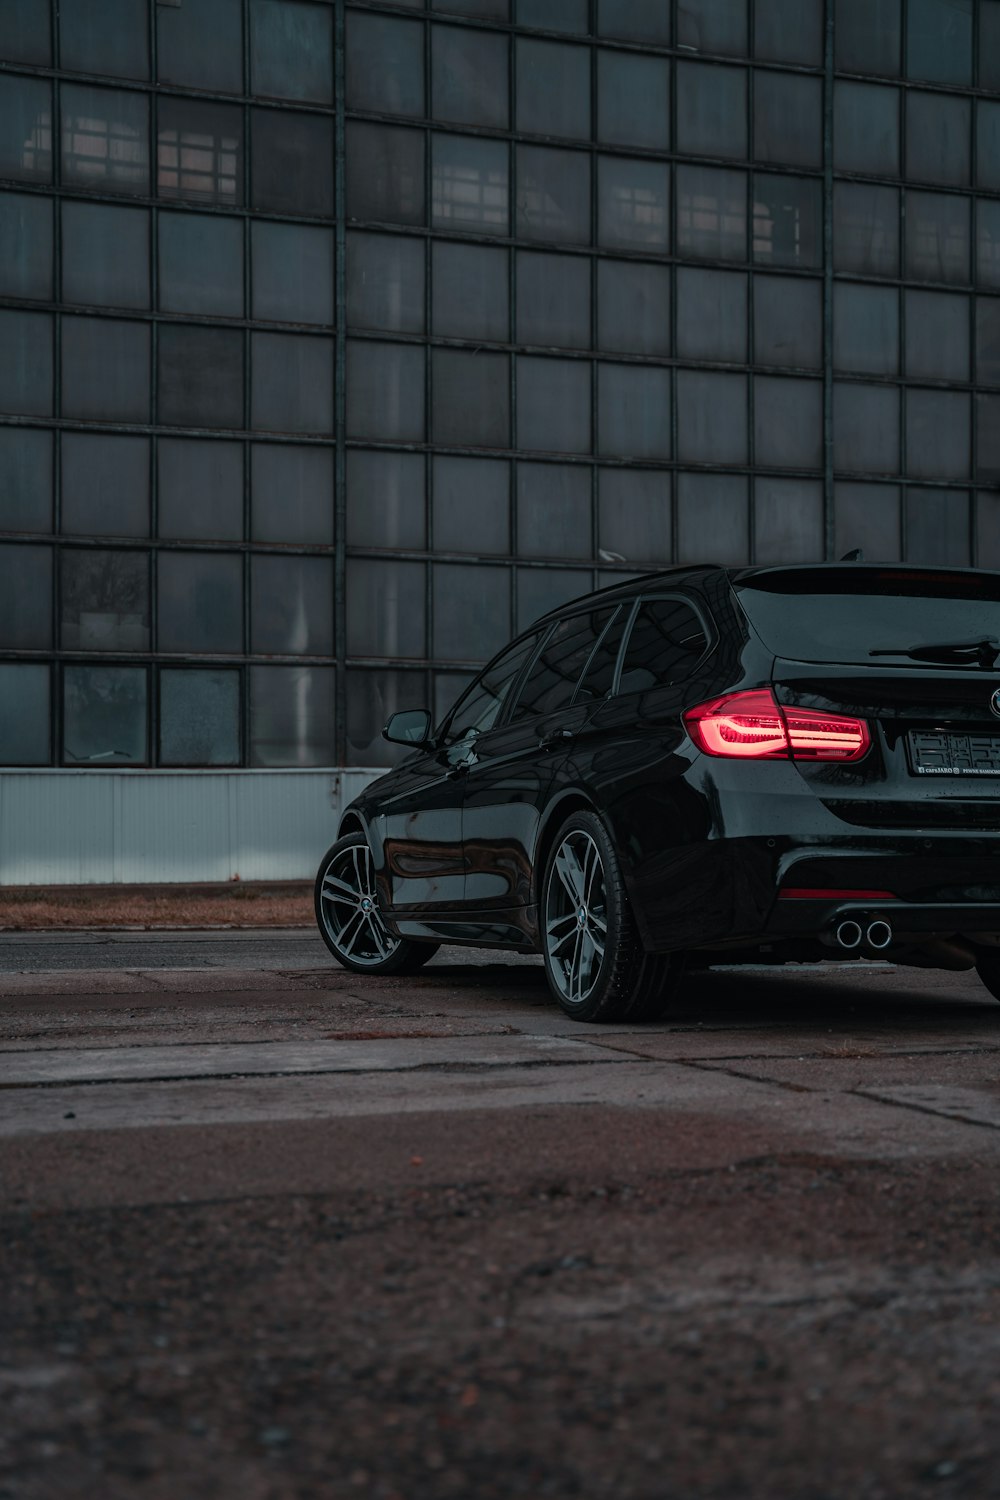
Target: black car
(708, 765)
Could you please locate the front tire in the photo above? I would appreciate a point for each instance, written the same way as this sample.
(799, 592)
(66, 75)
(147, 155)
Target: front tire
(988, 969)
(595, 963)
(348, 917)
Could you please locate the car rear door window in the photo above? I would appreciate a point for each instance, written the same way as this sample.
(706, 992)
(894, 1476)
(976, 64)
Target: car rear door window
(599, 677)
(666, 643)
(552, 680)
(477, 710)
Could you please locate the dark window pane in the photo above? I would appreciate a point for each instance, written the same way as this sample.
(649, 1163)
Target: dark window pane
(104, 36)
(865, 428)
(292, 386)
(788, 423)
(471, 504)
(712, 214)
(199, 151)
(385, 64)
(633, 204)
(199, 718)
(634, 516)
(788, 119)
(25, 128)
(105, 139)
(866, 128)
(27, 34)
(105, 485)
(291, 163)
(788, 521)
(24, 715)
(553, 405)
(711, 109)
(479, 707)
(26, 366)
(988, 146)
(789, 31)
(866, 229)
(200, 602)
(711, 314)
(937, 336)
(201, 45)
(866, 329)
(201, 264)
(469, 76)
(556, 671)
(867, 36)
(571, 16)
(989, 48)
(635, 20)
(200, 489)
(987, 530)
(291, 606)
(25, 246)
(937, 527)
(292, 273)
(104, 716)
(787, 221)
(788, 321)
(712, 518)
(711, 417)
(553, 195)
(712, 25)
(385, 391)
(105, 601)
(553, 88)
(633, 411)
(385, 282)
(988, 438)
(292, 494)
(938, 434)
(471, 398)
(291, 50)
(542, 589)
(867, 516)
(553, 300)
(385, 499)
(664, 645)
(987, 340)
(385, 608)
(633, 100)
(471, 292)
(105, 257)
(988, 242)
(469, 184)
(937, 237)
(25, 479)
(471, 611)
(25, 597)
(105, 369)
(292, 716)
(939, 40)
(553, 511)
(200, 376)
(938, 138)
(372, 699)
(633, 307)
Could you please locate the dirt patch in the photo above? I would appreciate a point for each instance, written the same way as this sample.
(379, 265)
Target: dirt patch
(36, 909)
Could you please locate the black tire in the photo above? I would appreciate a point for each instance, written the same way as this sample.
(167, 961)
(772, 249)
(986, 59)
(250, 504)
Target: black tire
(988, 969)
(619, 981)
(348, 917)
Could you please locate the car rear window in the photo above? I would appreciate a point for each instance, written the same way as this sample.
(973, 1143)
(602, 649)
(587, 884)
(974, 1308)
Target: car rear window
(872, 615)
(664, 645)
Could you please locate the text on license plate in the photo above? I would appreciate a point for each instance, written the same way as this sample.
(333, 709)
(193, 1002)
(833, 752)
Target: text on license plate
(934, 753)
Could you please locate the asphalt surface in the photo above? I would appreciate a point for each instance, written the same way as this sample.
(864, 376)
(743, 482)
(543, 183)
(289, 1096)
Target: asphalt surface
(273, 1231)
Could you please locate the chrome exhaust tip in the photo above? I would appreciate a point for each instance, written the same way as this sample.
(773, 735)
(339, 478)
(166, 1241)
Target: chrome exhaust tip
(879, 935)
(848, 934)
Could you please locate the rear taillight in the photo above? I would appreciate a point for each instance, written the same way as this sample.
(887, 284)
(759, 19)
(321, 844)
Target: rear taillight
(754, 726)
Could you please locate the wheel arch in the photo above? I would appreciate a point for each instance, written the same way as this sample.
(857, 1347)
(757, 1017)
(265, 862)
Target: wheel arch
(555, 815)
(351, 822)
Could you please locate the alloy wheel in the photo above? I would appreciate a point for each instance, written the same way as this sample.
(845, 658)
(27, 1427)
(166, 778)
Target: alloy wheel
(576, 917)
(349, 906)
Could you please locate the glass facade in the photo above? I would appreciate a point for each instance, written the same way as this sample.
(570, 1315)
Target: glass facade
(341, 339)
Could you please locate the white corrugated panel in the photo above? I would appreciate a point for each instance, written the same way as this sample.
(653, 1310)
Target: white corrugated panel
(104, 827)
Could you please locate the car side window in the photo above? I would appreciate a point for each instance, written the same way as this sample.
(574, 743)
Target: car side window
(599, 678)
(552, 680)
(477, 709)
(666, 642)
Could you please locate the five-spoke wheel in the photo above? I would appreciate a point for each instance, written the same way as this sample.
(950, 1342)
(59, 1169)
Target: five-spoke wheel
(576, 918)
(350, 922)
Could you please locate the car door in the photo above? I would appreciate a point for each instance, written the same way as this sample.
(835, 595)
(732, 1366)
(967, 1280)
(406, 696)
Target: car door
(515, 766)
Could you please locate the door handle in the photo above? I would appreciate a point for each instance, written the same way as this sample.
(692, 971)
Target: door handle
(560, 736)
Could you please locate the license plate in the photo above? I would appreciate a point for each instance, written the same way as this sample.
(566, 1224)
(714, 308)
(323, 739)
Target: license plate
(935, 753)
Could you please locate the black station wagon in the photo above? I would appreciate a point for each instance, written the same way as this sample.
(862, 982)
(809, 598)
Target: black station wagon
(707, 764)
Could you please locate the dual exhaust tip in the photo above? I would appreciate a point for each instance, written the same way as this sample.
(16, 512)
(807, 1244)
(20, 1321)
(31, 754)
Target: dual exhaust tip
(851, 935)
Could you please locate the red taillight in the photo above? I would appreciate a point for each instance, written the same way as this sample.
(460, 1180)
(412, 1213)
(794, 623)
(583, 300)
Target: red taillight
(754, 726)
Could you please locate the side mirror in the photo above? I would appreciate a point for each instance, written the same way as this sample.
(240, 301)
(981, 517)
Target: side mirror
(412, 726)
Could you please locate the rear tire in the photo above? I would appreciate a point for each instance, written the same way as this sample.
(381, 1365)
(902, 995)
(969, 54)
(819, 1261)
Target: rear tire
(988, 969)
(349, 921)
(594, 960)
